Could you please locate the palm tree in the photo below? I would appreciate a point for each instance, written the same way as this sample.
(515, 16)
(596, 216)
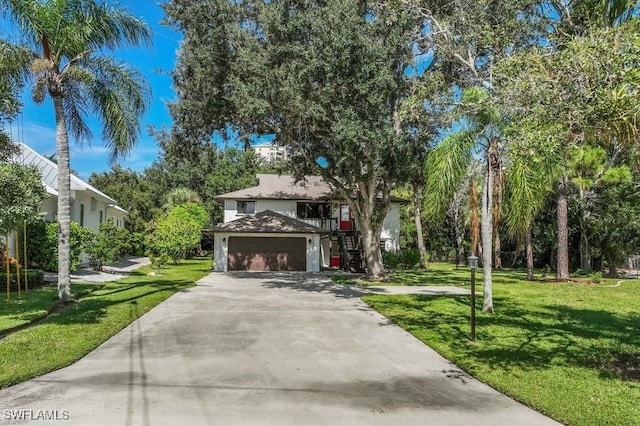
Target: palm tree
(65, 38)
(450, 161)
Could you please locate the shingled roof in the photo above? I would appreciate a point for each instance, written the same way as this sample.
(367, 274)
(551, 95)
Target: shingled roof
(266, 222)
(282, 187)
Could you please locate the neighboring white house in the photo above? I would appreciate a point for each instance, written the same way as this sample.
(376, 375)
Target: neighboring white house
(89, 206)
(270, 153)
(281, 225)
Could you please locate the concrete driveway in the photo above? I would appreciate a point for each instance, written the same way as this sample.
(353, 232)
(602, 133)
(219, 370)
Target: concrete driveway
(263, 349)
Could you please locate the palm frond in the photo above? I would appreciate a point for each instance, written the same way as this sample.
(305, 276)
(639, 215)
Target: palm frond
(530, 179)
(446, 167)
(118, 94)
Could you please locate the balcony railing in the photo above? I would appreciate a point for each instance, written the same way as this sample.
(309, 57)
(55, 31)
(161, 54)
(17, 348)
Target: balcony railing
(327, 224)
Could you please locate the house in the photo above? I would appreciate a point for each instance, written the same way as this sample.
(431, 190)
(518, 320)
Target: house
(89, 206)
(283, 225)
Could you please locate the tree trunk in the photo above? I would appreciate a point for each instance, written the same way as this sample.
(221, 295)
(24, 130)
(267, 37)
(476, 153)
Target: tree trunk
(64, 196)
(585, 247)
(562, 270)
(459, 247)
(417, 211)
(371, 249)
(585, 251)
(528, 239)
(496, 251)
(487, 235)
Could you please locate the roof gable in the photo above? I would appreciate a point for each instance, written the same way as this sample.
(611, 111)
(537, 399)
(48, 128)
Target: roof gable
(49, 171)
(267, 222)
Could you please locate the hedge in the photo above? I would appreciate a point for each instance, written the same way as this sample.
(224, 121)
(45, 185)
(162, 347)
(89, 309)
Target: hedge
(35, 279)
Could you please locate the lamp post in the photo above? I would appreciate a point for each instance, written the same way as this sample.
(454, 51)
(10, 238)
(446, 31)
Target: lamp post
(473, 265)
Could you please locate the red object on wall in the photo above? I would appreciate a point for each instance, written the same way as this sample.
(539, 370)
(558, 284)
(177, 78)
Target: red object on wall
(345, 217)
(334, 261)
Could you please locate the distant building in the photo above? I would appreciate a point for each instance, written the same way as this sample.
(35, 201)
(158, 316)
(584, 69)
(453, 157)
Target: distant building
(270, 153)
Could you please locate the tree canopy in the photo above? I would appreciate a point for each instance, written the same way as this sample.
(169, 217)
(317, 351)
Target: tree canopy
(333, 98)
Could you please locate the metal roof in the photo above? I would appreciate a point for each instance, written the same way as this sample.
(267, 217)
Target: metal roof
(49, 171)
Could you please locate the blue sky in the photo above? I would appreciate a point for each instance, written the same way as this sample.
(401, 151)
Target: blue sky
(36, 125)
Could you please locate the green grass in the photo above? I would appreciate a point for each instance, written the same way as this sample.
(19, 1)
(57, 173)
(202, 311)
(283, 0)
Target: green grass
(438, 274)
(34, 305)
(571, 351)
(67, 335)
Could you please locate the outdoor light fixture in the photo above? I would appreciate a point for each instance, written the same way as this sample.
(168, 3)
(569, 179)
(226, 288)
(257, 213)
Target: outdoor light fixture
(473, 265)
(309, 240)
(224, 240)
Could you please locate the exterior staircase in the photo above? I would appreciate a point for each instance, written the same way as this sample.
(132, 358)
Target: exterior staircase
(351, 256)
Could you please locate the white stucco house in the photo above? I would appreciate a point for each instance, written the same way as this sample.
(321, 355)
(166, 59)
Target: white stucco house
(89, 206)
(283, 225)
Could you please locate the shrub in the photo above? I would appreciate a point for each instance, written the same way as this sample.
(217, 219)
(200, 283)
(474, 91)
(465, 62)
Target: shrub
(42, 245)
(390, 259)
(405, 259)
(159, 262)
(106, 246)
(410, 258)
(175, 233)
(135, 241)
(596, 277)
(35, 279)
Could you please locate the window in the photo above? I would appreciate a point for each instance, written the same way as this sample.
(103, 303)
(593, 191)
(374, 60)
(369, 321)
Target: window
(81, 214)
(94, 204)
(313, 210)
(100, 216)
(246, 207)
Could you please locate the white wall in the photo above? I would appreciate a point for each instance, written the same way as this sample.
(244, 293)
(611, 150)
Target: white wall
(284, 207)
(391, 228)
(49, 208)
(93, 206)
(220, 252)
(117, 216)
(221, 249)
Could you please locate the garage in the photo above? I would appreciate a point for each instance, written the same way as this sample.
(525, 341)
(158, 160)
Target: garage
(266, 241)
(267, 254)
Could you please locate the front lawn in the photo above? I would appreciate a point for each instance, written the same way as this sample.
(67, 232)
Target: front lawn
(571, 351)
(34, 305)
(438, 274)
(66, 336)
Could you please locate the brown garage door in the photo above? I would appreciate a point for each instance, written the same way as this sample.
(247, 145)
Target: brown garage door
(267, 254)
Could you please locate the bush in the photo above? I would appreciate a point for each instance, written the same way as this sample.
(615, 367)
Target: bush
(405, 259)
(42, 245)
(35, 279)
(135, 241)
(390, 259)
(159, 262)
(410, 258)
(175, 234)
(108, 245)
(596, 277)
